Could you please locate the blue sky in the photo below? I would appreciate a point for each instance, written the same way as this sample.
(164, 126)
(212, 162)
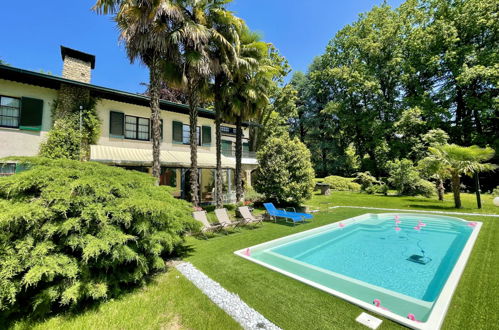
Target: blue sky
(32, 31)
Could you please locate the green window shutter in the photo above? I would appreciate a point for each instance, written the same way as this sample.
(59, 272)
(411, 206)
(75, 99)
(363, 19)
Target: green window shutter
(177, 132)
(206, 135)
(117, 124)
(31, 114)
(227, 148)
(246, 147)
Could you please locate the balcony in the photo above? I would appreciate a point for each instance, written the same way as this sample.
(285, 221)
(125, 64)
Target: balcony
(232, 153)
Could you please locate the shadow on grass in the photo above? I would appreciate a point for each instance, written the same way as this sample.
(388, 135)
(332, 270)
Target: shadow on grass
(10, 318)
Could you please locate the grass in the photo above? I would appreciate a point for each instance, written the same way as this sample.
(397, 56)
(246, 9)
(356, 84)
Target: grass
(169, 302)
(172, 302)
(403, 202)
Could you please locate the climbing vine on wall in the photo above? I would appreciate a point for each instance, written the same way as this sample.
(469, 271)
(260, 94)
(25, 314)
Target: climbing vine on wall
(76, 125)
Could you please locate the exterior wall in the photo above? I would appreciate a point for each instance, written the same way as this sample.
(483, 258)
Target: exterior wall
(76, 69)
(16, 142)
(104, 107)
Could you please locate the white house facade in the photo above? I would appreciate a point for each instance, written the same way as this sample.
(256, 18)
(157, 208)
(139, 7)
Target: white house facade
(27, 98)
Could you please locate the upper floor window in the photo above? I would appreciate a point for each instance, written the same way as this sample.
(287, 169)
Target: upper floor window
(186, 134)
(181, 134)
(137, 128)
(9, 111)
(228, 130)
(131, 127)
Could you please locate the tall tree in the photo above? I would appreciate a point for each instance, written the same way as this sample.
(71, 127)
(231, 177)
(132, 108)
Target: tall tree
(250, 87)
(225, 59)
(149, 31)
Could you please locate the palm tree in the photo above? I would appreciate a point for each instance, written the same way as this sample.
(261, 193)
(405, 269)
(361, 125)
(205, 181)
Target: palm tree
(457, 160)
(225, 60)
(149, 30)
(200, 37)
(251, 87)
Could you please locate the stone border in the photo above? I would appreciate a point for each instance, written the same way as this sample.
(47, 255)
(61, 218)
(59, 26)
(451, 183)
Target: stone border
(417, 211)
(246, 316)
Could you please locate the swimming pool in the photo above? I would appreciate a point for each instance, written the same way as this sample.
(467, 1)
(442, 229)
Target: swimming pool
(399, 265)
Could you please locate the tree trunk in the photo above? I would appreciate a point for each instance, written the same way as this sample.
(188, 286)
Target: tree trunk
(218, 142)
(456, 186)
(239, 152)
(193, 141)
(155, 120)
(440, 189)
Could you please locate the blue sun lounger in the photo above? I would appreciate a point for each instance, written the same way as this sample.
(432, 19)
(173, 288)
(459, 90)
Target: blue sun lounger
(295, 217)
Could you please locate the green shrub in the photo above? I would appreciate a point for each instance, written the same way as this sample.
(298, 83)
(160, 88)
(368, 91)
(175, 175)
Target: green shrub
(285, 174)
(339, 183)
(495, 192)
(251, 195)
(405, 177)
(424, 188)
(80, 231)
(366, 180)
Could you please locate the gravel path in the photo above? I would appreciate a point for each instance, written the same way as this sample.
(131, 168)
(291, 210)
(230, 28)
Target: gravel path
(246, 316)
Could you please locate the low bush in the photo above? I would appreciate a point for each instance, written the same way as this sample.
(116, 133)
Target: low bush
(366, 181)
(80, 231)
(252, 196)
(339, 183)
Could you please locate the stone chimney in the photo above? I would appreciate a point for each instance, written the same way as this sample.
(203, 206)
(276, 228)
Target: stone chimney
(77, 65)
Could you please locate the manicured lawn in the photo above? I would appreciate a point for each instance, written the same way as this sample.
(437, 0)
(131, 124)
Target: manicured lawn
(172, 302)
(403, 202)
(169, 302)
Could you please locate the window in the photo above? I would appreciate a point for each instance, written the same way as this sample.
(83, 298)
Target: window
(186, 134)
(9, 111)
(228, 130)
(137, 128)
(7, 169)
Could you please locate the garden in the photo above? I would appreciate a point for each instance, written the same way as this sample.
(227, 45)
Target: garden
(399, 113)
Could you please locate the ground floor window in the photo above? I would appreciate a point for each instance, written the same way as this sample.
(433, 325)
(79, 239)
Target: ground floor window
(7, 169)
(179, 179)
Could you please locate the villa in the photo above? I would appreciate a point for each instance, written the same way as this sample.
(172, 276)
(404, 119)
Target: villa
(27, 98)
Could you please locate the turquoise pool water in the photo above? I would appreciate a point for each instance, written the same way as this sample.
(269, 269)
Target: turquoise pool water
(405, 268)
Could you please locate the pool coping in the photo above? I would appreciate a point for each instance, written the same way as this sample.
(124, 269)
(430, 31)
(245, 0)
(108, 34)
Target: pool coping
(441, 304)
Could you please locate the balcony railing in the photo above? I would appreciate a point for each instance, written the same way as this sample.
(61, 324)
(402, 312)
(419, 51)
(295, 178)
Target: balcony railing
(232, 153)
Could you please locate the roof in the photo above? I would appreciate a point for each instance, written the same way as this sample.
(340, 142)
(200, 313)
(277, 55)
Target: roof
(54, 82)
(65, 51)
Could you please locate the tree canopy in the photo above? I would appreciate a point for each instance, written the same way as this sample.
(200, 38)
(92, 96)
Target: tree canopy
(394, 79)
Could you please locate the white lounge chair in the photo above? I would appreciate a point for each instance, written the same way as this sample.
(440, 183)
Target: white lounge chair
(224, 218)
(248, 217)
(207, 226)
